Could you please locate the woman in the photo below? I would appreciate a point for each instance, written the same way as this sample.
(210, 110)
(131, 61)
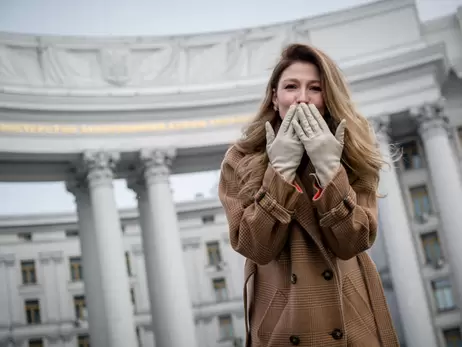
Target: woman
(300, 194)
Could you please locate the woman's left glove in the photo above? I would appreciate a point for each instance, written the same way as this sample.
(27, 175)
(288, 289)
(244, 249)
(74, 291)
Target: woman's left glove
(322, 147)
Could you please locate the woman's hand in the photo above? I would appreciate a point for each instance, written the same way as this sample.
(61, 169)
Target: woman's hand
(284, 150)
(323, 148)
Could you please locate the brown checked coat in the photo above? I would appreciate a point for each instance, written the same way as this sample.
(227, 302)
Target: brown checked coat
(308, 280)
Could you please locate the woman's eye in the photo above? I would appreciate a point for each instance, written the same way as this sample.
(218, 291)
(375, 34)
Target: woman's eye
(318, 89)
(290, 86)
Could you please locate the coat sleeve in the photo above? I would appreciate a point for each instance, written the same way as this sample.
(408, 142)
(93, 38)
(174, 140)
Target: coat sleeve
(258, 227)
(348, 214)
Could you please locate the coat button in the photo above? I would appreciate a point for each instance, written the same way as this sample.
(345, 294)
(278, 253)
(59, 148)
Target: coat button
(328, 275)
(337, 334)
(295, 340)
(293, 278)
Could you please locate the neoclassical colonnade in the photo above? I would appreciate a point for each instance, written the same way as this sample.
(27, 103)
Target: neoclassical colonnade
(111, 321)
(397, 233)
(110, 313)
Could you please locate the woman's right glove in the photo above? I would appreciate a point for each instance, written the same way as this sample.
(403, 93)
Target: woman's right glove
(285, 149)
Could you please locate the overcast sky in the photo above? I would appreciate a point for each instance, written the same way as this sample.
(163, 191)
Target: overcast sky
(137, 17)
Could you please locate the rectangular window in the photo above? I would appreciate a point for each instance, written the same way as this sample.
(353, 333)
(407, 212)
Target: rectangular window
(83, 341)
(411, 158)
(128, 263)
(420, 201)
(76, 269)
(80, 306)
(28, 272)
(72, 233)
(442, 291)
(32, 308)
(226, 327)
(25, 236)
(208, 219)
(213, 252)
(132, 295)
(432, 248)
(453, 337)
(36, 343)
(221, 293)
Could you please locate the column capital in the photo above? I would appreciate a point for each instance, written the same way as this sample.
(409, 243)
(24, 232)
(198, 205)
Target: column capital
(98, 166)
(77, 187)
(381, 126)
(430, 118)
(156, 163)
(7, 259)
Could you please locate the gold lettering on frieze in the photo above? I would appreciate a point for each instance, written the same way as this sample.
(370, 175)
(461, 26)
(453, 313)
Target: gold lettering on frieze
(121, 128)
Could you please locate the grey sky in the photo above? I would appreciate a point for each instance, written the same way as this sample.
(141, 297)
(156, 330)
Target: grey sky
(143, 17)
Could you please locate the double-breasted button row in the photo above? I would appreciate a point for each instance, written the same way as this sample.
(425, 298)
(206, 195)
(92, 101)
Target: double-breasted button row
(337, 334)
(328, 275)
(294, 340)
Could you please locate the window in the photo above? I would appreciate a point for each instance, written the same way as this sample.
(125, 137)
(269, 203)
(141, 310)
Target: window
(208, 219)
(83, 341)
(32, 308)
(132, 295)
(72, 233)
(219, 285)
(453, 337)
(138, 336)
(127, 262)
(411, 158)
(443, 294)
(79, 307)
(36, 343)
(76, 269)
(25, 236)
(213, 251)
(226, 327)
(432, 248)
(28, 272)
(420, 201)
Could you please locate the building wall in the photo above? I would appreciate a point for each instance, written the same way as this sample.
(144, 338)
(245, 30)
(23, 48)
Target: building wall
(51, 253)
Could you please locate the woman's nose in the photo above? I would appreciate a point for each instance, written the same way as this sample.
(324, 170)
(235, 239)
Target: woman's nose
(302, 97)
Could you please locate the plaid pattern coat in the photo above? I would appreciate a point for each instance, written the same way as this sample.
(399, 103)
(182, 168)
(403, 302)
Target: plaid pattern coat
(308, 279)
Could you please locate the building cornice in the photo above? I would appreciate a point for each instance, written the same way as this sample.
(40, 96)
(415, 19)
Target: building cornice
(19, 222)
(55, 73)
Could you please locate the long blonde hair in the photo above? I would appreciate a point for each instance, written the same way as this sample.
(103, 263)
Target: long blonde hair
(360, 155)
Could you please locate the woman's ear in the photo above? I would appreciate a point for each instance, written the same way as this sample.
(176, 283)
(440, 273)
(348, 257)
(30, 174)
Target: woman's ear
(275, 100)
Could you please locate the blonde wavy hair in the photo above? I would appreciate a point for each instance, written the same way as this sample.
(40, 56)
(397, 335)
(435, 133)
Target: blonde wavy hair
(361, 155)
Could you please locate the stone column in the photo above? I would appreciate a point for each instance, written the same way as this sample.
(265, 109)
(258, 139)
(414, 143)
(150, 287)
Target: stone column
(51, 285)
(107, 293)
(402, 257)
(6, 313)
(444, 171)
(172, 315)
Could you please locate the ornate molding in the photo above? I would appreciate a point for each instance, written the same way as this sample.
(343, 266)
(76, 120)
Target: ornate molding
(98, 166)
(77, 187)
(7, 259)
(430, 118)
(191, 243)
(156, 164)
(380, 125)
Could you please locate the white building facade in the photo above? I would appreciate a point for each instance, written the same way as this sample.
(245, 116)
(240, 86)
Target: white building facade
(87, 111)
(43, 293)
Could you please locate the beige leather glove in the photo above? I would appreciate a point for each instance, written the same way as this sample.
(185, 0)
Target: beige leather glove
(323, 148)
(285, 149)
